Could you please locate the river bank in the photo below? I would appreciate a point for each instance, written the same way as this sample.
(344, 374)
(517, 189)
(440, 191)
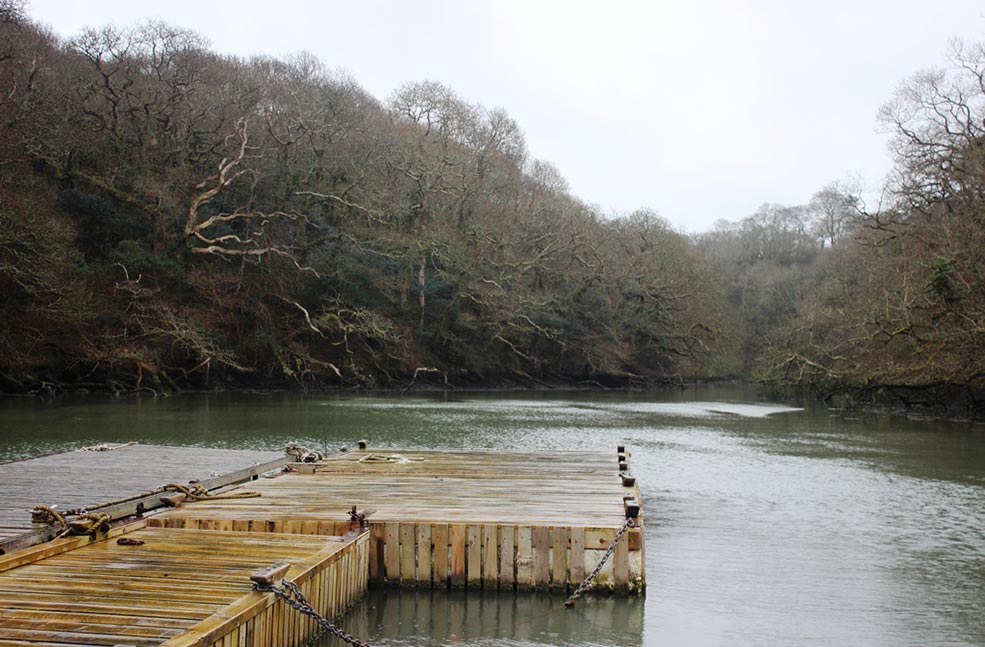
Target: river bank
(943, 402)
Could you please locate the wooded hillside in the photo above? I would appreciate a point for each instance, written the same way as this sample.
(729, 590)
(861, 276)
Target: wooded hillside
(172, 218)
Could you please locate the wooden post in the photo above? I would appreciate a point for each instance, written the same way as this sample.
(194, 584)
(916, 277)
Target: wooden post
(424, 577)
(507, 556)
(408, 567)
(377, 569)
(620, 566)
(440, 532)
(559, 558)
(474, 554)
(490, 563)
(577, 555)
(392, 556)
(524, 557)
(457, 539)
(542, 557)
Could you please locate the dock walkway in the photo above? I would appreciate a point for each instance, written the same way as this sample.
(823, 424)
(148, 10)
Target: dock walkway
(85, 478)
(484, 519)
(435, 519)
(177, 588)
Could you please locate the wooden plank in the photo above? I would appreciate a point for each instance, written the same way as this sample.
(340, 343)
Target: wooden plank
(559, 558)
(456, 538)
(441, 555)
(424, 552)
(477, 488)
(473, 568)
(524, 557)
(184, 587)
(542, 557)
(34, 554)
(376, 565)
(577, 556)
(392, 554)
(408, 567)
(599, 538)
(620, 566)
(490, 557)
(507, 556)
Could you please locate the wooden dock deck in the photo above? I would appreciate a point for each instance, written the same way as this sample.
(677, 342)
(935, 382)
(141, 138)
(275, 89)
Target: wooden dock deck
(85, 478)
(177, 588)
(437, 519)
(483, 519)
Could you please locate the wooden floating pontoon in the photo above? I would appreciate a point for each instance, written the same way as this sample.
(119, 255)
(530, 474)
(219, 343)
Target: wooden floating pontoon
(178, 588)
(483, 519)
(450, 519)
(84, 478)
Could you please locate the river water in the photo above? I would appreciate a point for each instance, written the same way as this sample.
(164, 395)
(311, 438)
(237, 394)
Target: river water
(766, 525)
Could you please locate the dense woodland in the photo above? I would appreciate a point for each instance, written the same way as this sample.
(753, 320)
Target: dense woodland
(171, 218)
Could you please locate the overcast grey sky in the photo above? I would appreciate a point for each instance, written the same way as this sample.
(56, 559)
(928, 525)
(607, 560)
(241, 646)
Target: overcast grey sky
(700, 109)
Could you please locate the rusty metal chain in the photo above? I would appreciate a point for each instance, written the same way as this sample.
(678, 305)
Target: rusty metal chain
(570, 602)
(290, 593)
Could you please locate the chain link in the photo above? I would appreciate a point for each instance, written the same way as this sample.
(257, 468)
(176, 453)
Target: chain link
(570, 602)
(290, 593)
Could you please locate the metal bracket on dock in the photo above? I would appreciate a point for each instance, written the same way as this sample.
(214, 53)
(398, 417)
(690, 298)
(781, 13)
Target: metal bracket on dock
(623, 457)
(358, 517)
(632, 506)
(173, 500)
(271, 575)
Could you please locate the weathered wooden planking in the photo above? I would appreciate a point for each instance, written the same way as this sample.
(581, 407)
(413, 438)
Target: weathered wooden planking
(180, 588)
(539, 489)
(437, 514)
(86, 478)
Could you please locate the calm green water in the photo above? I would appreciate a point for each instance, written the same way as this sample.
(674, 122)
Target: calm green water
(765, 526)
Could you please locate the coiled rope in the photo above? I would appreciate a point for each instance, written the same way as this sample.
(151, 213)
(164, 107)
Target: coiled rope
(199, 493)
(304, 454)
(87, 523)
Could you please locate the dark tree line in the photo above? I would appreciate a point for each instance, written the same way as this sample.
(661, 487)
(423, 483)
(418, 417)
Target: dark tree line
(900, 312)
(172, 218)
(886, 304)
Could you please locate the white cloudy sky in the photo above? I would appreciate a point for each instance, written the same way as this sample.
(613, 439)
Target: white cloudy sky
(700, 109)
